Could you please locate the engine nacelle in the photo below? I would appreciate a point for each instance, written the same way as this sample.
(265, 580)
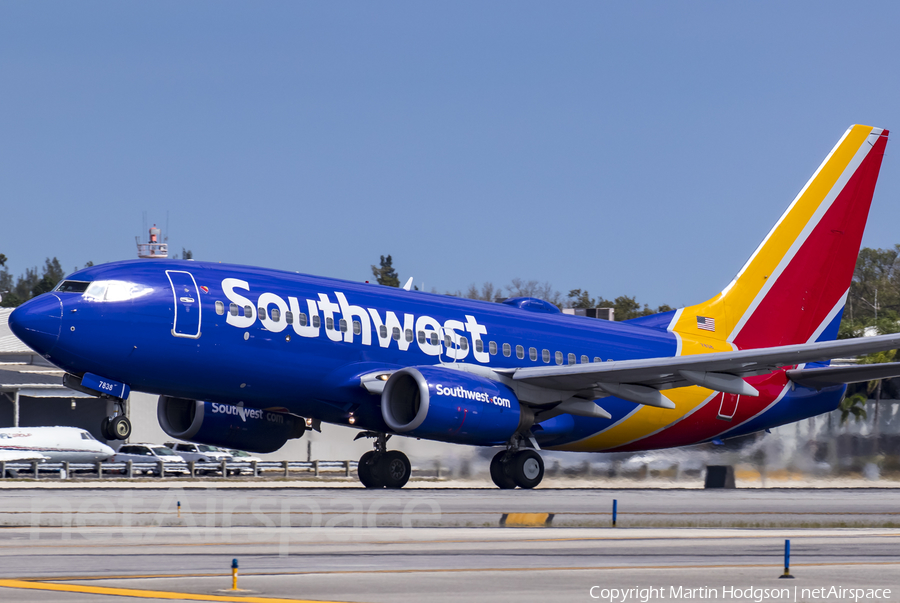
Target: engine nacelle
(251, 429)
(450, 405)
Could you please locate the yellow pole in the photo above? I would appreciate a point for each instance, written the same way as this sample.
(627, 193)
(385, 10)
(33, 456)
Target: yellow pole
(234, 569)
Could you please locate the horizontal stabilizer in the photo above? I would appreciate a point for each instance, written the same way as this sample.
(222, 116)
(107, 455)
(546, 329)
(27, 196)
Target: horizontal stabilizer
(817, 378)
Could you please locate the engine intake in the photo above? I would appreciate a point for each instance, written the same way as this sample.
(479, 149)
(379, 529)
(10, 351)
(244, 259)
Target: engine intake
(451, 406)
(251, 429)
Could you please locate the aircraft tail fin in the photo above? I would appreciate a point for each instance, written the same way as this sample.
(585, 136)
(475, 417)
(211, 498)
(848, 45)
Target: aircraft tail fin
(794, 286)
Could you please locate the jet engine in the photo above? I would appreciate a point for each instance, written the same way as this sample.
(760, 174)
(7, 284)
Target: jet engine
(452, 406)
(251, 429)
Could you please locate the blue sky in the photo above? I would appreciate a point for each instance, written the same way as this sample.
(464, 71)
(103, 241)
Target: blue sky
(640, 148)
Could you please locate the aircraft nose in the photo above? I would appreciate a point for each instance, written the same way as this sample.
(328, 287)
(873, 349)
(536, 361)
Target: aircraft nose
(37, 322)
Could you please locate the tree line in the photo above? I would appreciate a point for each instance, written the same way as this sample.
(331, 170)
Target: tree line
(873, 302)
(16, 291)
(625, 306)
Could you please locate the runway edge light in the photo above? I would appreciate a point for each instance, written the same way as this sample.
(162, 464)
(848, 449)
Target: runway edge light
(787, 560)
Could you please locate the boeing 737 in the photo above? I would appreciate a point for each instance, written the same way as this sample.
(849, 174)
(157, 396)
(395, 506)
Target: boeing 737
(248, 358)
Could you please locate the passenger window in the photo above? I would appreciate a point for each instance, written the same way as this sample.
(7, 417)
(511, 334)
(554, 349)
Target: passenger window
(532, 353)
(598, 359)
(409, 335)
(302, 319)
(317, 322)
(545, 355)
(289, 317)
(248, 311)
(395, 333)
(343, 325)
(463, 343)
(492, 347)
(275, 314)
(520, 352)
(585, 360)
(434, 338)
(220, 308)
(479, 345)
(507, 349)
(571, 358)
(559, 358)
(357, 327)
(233, 308)
(447, 341)
(262, 313)
(329, 323)
(382, 332)
(421, 336)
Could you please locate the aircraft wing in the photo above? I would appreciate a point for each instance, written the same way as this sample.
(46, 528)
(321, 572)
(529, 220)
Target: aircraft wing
(12, 456)
(640, 380)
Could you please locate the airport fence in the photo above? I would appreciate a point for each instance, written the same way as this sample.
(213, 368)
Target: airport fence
(160, 469)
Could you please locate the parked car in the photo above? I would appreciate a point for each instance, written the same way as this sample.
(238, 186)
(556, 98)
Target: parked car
(150, 453)
(239, 456)
(199, 453)
(243, 457)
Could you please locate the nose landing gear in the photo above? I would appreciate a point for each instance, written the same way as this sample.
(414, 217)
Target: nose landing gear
(383, 468)
(116, 427)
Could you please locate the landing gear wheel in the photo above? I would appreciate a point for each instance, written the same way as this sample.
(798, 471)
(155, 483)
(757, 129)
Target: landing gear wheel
(500, 474)
(369, 470)
(395, 469)
(119, 428)
(104, 429)
(527, 468)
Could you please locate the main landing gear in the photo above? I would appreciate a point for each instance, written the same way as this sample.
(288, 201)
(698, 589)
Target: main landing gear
(116, 427)
(383, 468)
(522, 467)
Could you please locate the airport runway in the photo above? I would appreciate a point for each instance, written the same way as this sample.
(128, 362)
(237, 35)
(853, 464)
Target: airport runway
(151, 552)
(254, 506)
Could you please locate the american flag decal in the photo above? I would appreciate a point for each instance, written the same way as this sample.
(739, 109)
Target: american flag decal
(706, 323)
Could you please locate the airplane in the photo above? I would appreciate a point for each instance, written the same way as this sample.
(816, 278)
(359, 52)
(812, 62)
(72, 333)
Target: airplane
(52, 444)
(246, 357)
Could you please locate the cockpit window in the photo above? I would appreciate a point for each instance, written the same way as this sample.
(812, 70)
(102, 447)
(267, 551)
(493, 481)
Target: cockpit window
(86, 436)
(115, 291)
(72, 286)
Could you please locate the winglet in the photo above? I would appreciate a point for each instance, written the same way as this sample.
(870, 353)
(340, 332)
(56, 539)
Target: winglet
(408, 284)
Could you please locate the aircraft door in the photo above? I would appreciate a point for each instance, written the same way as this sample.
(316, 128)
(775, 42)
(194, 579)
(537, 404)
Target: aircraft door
(728, 407)
(186, 322)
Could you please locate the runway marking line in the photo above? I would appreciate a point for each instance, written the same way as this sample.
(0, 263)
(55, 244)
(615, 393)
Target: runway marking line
(508, 539)
(478, 512)
(47, 580)
(145, 594)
